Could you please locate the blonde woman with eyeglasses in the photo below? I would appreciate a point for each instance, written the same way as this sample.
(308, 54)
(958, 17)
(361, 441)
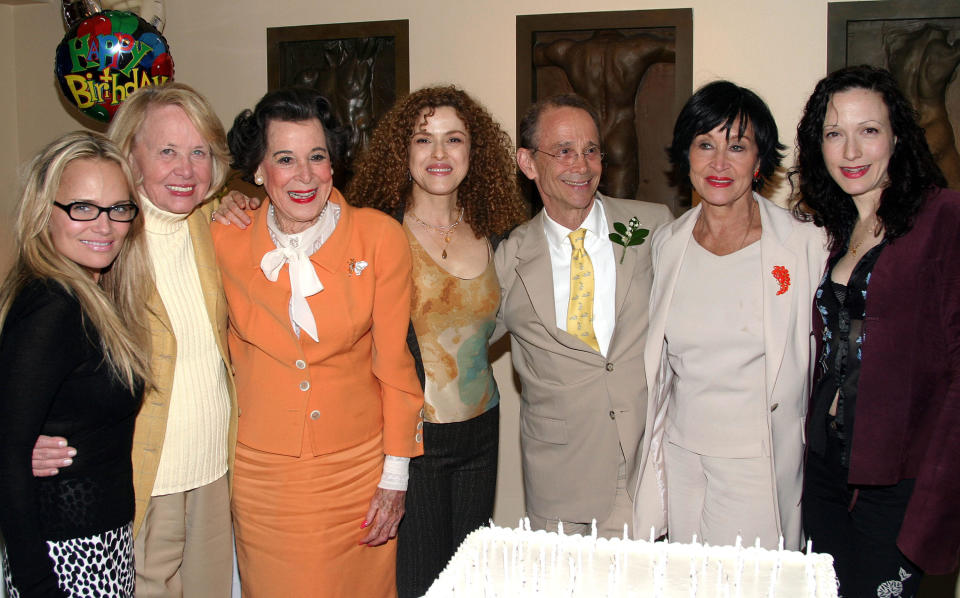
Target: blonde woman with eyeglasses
(73, 362)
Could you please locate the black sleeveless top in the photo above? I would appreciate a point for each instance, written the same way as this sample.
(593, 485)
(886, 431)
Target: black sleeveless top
(843, 309)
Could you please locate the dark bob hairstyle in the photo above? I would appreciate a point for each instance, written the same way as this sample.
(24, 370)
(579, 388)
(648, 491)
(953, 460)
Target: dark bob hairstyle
(248, 136)
(912, 171)
(723, 103)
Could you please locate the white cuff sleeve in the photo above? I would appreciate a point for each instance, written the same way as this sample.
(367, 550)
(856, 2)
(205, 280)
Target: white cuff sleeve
(396, 473)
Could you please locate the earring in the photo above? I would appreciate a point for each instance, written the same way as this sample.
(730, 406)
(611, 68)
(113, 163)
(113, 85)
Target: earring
(258, 180)
(756, 175)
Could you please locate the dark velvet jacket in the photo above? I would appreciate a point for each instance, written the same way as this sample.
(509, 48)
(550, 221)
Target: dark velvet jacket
(908, 398)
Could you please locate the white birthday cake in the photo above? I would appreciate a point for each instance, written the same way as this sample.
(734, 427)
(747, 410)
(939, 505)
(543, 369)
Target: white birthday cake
(496, 562)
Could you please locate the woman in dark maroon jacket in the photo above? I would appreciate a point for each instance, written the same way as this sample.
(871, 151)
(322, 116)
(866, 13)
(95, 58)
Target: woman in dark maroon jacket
(882, 485)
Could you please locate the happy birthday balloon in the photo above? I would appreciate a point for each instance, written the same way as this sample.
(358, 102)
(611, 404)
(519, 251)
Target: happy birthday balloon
(106, 57)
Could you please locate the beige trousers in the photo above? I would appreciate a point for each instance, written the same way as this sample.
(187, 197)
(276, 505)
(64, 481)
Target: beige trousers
(185, 545)
(718, 498)
(610, 527)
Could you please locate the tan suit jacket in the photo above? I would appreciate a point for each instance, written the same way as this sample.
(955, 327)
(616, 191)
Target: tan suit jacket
(152, 420)
(580, 412)
(788, 349)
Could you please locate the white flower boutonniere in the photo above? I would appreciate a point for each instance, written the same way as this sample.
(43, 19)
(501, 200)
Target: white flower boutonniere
(628, 235)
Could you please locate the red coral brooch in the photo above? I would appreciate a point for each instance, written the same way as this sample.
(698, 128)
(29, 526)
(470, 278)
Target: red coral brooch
(782, 275)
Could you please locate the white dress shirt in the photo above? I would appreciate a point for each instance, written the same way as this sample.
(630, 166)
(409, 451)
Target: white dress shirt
(600, 249)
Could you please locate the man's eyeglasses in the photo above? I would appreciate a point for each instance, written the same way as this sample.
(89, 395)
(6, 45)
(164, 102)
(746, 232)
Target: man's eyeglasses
(569, 156)
(83, 211)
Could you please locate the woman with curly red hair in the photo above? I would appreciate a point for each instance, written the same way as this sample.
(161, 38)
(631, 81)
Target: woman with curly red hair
(441, 165)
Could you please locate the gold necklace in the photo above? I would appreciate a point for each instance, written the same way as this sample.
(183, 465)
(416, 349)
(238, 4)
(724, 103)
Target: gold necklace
(443, 230)
(855, 248)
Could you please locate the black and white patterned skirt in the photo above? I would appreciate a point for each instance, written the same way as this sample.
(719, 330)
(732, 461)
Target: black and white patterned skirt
(90, 567)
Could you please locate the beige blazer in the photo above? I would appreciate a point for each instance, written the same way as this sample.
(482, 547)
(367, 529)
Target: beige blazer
(152, 421)
(579, 410)
(788, 346)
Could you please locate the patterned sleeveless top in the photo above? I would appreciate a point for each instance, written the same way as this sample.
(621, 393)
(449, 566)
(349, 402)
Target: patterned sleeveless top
(454, 319)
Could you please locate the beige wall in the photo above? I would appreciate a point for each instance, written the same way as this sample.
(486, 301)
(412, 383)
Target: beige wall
(777, 47)
(9, 153)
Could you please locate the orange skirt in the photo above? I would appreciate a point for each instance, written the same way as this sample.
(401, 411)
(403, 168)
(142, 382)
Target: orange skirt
(297, 524)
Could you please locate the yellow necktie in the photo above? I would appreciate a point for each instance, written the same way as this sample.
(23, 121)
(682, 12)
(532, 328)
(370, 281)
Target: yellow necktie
(580, 308)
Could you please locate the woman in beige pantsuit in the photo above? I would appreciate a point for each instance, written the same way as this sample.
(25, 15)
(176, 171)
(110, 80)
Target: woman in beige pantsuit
(728, 349)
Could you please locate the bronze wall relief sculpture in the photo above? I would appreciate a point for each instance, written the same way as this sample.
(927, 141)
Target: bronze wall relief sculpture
(635, 68)
(919, 42)
(362, 68)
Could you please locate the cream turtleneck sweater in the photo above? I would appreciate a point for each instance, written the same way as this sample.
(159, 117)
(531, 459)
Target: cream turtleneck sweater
(195, 445)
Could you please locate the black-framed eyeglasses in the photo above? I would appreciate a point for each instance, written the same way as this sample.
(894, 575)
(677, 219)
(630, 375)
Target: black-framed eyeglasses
(84, 211)
(569, 156)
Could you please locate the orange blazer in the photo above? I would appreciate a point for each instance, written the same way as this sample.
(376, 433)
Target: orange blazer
(359, 380)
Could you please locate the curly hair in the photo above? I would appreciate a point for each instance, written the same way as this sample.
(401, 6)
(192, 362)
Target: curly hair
(248, 135)
(722, 103)
(489, 194)
(912, 171)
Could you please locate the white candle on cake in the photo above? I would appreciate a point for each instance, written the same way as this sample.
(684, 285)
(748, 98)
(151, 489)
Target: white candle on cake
(775, 571)
(515, 561)
(506, 570)
(660, 569)
(543, 566)
(706, 560)
(618, 567)
(738, 577)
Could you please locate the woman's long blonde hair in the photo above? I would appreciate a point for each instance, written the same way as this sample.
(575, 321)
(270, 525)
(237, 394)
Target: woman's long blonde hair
(115, 306)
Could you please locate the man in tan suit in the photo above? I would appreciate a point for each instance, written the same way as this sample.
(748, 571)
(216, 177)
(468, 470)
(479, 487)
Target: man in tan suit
(584, 395)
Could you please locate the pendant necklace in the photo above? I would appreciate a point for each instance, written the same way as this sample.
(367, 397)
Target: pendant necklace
(444, 231)
(876, 232)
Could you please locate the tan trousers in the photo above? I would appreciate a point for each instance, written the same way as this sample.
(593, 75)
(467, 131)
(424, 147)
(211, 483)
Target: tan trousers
(717, 498)
(185, 545)
(610, 527)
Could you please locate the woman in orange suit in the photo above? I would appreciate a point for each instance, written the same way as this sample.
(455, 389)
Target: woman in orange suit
(330, 405)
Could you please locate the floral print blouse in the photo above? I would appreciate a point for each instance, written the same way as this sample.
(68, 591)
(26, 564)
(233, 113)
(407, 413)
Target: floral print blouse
(843, 309)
